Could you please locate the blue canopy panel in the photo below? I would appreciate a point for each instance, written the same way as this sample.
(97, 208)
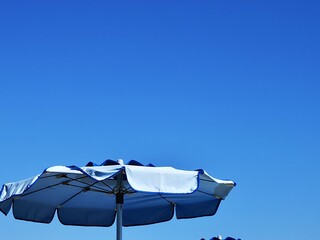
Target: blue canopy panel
(145, 208)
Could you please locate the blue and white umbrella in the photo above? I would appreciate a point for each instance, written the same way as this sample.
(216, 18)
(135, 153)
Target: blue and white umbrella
(96, 195)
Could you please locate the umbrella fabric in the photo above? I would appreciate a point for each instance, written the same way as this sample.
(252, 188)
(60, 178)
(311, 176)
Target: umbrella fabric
(87, 196)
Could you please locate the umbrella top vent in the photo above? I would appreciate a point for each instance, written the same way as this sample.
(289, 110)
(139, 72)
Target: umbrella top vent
(110, 162)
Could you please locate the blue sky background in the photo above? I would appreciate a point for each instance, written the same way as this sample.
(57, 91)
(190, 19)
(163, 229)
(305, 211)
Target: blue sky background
(229, 86)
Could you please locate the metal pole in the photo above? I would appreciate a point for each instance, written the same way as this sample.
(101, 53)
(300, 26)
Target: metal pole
(119, 202)
(119, 221)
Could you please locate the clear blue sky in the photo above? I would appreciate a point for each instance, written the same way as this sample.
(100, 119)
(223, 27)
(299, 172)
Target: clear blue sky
(229, 86)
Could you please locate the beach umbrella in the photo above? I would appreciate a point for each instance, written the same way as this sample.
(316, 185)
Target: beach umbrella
(96, 195)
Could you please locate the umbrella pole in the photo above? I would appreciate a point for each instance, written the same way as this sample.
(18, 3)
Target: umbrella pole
(119, 221)
(119, 202)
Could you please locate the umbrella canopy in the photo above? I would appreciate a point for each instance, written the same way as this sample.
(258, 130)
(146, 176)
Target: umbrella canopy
(94, 195)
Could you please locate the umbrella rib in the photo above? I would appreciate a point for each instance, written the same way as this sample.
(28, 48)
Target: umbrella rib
(26, 194)
(212, 195)
(212, 181)
(73, 196)
(64, 182)
(127, 190)
(173, 203)
(112, 189)
(97, 189)
(207, 180)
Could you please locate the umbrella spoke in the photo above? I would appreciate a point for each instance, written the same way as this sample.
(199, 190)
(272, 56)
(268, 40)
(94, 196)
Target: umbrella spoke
(86, 189)
(41, 189)
(127, 190)
(67, 183)
(112, 189)
(209, 194)
(173, 203)
(96, 189)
